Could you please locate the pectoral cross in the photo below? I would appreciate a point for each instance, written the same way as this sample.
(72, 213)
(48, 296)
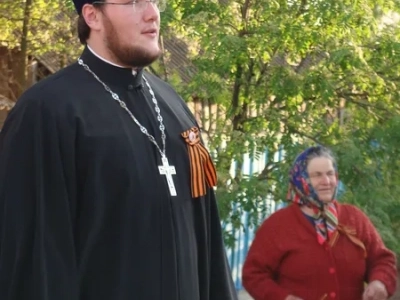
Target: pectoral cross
(168, 171)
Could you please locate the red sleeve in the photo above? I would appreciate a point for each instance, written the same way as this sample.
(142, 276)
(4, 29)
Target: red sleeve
(381, 262)
(261, 264)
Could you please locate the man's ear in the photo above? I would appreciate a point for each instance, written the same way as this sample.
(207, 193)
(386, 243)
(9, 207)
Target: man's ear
(92, 16)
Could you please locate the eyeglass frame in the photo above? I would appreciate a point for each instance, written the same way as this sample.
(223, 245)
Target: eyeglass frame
(133, 2)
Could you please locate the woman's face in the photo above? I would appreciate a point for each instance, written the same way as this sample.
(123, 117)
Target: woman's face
(323, 177)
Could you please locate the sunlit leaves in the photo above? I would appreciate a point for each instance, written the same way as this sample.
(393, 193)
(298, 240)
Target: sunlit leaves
(51, 26)
(289, 73)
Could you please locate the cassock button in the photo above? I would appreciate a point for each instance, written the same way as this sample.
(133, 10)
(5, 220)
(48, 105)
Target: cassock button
(332, 295)
(332, 270)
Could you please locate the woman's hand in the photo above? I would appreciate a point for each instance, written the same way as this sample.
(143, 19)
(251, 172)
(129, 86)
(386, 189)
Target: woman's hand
(375, 290)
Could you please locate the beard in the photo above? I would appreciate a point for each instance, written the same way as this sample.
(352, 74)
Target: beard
(127, 55)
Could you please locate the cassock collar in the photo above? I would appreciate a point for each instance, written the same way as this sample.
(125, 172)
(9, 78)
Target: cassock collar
(112, 74)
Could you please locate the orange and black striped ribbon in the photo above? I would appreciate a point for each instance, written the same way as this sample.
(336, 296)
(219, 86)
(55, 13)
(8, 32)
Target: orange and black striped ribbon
(202, 169)
(350, 233)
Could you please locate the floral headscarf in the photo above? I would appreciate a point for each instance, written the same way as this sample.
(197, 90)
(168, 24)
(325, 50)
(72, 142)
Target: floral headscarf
(302, 193)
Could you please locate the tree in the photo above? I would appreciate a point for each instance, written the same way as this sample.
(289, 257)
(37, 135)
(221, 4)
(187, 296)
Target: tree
(287, 74)
(270, 75)
(32, 28)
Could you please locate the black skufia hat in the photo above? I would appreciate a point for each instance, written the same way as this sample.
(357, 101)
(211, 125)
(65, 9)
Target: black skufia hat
(80, 3)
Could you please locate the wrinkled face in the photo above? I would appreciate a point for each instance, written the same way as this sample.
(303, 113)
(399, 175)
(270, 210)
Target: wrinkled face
(323, 177)
(130, 32)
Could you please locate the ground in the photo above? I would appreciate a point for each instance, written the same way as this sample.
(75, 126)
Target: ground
(244, 296)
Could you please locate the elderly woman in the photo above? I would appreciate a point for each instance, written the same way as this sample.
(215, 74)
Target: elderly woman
(316, 248)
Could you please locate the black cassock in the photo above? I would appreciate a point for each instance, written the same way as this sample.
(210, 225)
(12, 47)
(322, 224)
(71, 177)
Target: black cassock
(84, 211)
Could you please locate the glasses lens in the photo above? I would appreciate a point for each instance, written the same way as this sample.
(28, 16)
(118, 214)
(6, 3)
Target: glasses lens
(142, 5)
(161, 4)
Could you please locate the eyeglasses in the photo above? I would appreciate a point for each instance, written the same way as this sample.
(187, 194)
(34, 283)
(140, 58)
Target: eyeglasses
(139, 5)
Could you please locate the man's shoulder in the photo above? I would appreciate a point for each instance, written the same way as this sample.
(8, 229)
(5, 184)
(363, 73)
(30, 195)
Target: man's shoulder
(153, 77)
(175, 101)
(158, 82)
(53, 90)
(64, 78)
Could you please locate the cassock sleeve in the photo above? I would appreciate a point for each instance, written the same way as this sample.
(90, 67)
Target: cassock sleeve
(261, 264)
(221, 284)
(37, 255)
(381, 262)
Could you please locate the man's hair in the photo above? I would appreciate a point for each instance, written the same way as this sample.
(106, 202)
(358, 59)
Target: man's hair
(83, 30)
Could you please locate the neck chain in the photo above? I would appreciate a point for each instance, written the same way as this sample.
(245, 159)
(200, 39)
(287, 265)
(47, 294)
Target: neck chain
(123, 105)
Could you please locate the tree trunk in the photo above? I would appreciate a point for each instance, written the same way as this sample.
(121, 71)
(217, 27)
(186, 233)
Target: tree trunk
(21, 61)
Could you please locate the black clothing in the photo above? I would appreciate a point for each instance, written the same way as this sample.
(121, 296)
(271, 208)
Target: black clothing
(84, 211)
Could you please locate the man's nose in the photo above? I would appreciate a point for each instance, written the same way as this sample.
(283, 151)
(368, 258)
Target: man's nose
(151, 12)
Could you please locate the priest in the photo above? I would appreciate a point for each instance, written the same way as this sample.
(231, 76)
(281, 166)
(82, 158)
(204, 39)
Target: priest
(106, 189)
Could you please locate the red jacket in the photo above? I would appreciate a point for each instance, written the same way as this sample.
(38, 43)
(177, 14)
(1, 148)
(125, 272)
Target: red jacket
(286, 259)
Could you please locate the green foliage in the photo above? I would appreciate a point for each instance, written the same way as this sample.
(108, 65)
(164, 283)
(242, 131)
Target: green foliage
(284, 75)
(370, 169)
(313, 72)
(51, 27)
